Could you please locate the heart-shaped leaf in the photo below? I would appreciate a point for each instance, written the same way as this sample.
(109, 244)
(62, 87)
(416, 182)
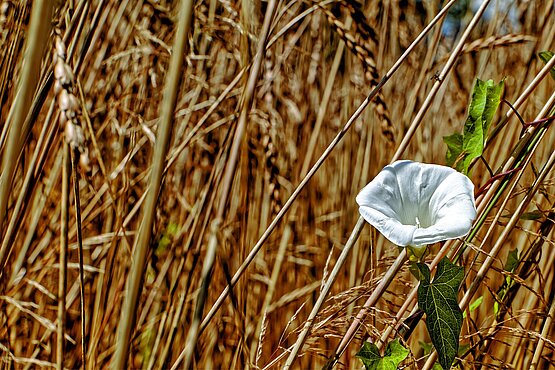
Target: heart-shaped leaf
(438, 299)
(370, 356)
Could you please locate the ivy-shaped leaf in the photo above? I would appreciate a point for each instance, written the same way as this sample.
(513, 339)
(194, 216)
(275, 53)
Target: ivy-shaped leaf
(370, 356)
(427, 349)
(546, 57)
(462, 149)
(438, 299)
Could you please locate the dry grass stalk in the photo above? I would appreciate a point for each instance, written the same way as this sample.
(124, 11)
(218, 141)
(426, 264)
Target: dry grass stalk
(309, 145)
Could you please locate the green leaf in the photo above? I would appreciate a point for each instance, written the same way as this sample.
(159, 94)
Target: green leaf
(485, 100)
(546, 57)
(370, 356)
(413, 269)
(512, 260)
(454, 148)
(463, 348)
(463, 148)
(532, 216)
(166, 238)
(510, 266)
(426, 347)
(474, 305)
(438, 299)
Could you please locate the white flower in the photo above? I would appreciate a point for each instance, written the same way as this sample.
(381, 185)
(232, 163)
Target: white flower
(416, 204)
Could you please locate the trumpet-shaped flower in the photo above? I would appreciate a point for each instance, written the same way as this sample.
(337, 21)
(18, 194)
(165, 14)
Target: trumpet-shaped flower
(416, 204)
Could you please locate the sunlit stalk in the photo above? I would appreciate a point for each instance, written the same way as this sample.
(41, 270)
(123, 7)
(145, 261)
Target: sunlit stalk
(173, 81)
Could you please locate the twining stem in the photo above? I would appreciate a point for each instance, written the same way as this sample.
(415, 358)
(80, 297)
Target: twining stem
(500, 242)
(347, 338)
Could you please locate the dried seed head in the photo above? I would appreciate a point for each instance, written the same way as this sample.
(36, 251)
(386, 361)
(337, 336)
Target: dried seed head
(4, 7)
(74, 135)
(63, 73)
(59, 69)
(60, 47)
(70, 114)
(62, 119)
(68, 75)
(57, 87)
(73, 103)
(63, 100)
(84, 161)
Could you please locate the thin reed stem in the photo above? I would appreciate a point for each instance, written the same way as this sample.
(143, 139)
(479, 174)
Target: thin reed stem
(39, 31)
(173, 81)
(62, 275)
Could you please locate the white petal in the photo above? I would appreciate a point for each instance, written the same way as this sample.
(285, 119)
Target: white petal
(393, 230)
(453, 221)
(406, 193)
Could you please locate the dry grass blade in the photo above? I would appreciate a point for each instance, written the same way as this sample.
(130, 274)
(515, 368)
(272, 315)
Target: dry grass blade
(337, 139)
(324, 292)
(171, 90)
(547, 327)
(38, 35)
(253, 196)
(74, 167)
(62, 279)
(227, 182)
(501, 241)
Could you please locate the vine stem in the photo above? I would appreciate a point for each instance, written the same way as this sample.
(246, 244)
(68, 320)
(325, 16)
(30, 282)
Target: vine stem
(483, 196)
(349, 335)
